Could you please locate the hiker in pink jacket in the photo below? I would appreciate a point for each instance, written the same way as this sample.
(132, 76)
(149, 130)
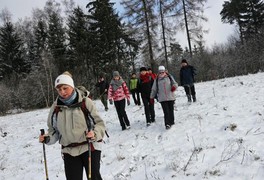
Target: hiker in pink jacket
(118, 93)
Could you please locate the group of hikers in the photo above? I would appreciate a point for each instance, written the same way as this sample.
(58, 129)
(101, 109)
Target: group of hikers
(73, 119)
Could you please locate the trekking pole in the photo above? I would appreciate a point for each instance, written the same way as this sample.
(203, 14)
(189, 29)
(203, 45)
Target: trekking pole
(89, 157)
(88, 119)
(88, 122)
(42, 132)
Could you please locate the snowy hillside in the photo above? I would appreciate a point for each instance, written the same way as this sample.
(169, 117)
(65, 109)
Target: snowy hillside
(218, 137)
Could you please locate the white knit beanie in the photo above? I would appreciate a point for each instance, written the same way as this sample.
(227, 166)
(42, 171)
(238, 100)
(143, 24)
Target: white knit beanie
(161, 68)
(64, 79)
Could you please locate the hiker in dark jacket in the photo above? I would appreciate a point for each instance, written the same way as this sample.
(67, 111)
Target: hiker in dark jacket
(164, 87)
(144, 87)
(70, 128)
(103, 86)
(187, 74)
(133, 82)
(118, 93)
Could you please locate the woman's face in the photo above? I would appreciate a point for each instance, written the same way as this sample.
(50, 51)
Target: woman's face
(64, 90)
(162, 73)
(116, 77)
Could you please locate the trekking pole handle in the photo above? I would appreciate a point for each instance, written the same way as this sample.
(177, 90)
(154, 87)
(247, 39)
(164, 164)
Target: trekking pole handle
(42, 131)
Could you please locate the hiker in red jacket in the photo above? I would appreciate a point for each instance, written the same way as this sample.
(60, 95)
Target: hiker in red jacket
(144, 86)
(153, 75)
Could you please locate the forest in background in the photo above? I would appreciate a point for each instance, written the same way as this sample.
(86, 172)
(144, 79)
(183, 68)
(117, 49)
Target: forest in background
(98, 40)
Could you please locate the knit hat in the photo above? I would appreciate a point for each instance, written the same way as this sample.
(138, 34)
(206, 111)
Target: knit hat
(161, 68)
(184, 61)
(115, 73)
(143, 69)
(64, 79)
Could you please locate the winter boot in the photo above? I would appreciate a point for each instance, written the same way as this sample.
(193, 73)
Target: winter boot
(167, 126)
(194, 98)
(189, 98)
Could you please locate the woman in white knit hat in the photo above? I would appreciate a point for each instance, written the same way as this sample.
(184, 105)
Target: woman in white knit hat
(163, 88)
(68, 124)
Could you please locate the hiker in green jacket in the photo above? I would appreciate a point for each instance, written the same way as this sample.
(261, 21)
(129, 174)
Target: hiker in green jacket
(133, 83)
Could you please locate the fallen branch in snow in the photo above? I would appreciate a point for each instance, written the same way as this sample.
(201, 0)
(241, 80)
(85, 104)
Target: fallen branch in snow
(257, 130)
(188, 162)
(194, 152)
(244, 152)
(230, 151)
(259, 133)
(249, 131)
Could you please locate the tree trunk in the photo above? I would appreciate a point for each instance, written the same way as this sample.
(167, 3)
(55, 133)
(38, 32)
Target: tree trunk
(148, 35)
(163, 34)
(187, 28)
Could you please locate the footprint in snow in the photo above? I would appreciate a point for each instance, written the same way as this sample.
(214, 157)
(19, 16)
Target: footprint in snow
(158, 139)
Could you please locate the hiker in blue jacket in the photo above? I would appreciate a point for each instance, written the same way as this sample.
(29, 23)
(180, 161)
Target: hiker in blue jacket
(187, 74)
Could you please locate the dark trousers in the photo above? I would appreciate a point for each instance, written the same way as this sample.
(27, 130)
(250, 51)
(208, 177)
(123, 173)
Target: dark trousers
(121, 112)
(168, 110)
(149, 109)
(104, 100)
(74, 166)
(135, 95)
(189, 88)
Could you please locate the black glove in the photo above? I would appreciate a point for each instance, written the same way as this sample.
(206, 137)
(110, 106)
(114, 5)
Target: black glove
(111, 101)
(46, 139)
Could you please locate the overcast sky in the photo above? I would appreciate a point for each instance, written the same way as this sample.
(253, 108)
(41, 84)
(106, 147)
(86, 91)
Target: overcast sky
(218, 32)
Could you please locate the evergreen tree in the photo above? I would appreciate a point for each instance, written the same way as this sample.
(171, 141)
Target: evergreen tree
(25, 31)
(79, 46)
(110, 42)
(42, 65)
(10, 52)
(56, 40)
(40, 43)
(248, 15)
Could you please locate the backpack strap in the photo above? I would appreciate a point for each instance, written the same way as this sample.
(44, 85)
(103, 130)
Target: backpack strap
(169, 75)
(88, 116)
(54, 117)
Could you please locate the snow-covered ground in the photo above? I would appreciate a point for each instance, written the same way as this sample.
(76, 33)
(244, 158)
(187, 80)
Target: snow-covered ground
(218, 137)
